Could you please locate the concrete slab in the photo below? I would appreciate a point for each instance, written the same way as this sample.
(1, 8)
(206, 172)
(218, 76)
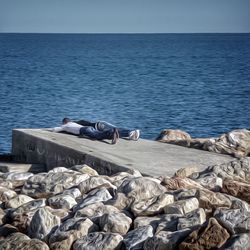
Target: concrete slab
(21, 167)
(149, 157)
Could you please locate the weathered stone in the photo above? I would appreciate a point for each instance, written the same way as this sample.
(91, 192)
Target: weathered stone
(195, 218)
(94, 182)
(118, 178)
(186, 172)
(17, 176)
(152, 206)
(95, 210)
(99, 240)
(21, 241)
(6, 194)
(61, 213)
(6, 230)
(61, 170)
(85, 169)
(212, 200)
(212, 183)
(46, 185)
(74, 192)
(213, 236)
(184, 194)
(182, 206)
(6, 183)
(62, 201)
(18, 201)
(115, 223)
(177, 137)
(135, 239)
(141, 188)
(176, 183)
(238, 189)
(70, 231)
(121, 201)
(96, 195)
(234, 220)
(239, 242)
(42, 223)
(165, 240)
(160, 222)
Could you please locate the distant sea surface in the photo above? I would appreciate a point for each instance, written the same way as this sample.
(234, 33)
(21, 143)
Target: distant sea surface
(199, 83)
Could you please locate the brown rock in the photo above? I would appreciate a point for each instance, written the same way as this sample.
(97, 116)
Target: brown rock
(185, 172)
(236, 188)
(210, 237)
(176, 183)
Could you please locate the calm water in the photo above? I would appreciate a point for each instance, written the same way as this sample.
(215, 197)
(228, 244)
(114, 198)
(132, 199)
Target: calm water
(196, 82)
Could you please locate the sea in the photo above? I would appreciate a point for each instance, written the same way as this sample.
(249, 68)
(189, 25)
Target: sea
(199, 83)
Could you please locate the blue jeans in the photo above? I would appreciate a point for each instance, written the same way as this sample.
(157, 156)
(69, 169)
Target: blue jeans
(105, 126)
(93, 133)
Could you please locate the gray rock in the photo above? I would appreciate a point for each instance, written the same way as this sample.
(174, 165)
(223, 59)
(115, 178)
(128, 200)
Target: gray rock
(69, 231)
(165, 240)
(135, 239)
(17, 176)
(195, 218)
(95, 210)
(121, 201)
(96, 195)
(184, 194)
(62, 201)
(46, 185)
(182, 206)
(234, 220)
(21, 241)
(239, 242)
(176, 183)
(18, 201)
(94, 182)
(42, 223)
(211, 182)
(152, 206)
(115, 223)
(85, 169)
(6, 194)
(74, 192)
(99, 240)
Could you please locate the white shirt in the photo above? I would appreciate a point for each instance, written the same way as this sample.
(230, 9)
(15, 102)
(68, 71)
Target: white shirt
(70, 127)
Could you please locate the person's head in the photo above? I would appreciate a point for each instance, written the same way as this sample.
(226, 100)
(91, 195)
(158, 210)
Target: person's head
(65, 120)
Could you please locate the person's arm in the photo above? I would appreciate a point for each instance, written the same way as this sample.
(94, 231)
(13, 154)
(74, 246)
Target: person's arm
(57, 129)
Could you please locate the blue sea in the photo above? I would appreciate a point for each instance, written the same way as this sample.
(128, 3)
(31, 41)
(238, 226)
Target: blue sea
(199, 83)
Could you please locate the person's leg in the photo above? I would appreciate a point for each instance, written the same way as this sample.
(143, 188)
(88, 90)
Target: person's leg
(92, 133)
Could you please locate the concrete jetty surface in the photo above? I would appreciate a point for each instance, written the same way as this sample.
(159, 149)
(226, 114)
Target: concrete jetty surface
(149, 157)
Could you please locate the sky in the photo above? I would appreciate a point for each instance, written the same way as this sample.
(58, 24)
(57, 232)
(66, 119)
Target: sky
(124, 16)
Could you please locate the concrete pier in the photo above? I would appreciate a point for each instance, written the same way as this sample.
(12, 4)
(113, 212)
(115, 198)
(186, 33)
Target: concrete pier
(153, 158)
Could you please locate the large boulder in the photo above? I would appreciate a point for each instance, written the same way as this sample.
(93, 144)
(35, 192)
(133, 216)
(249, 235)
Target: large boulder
(98, 240)
(18, 201)
(62, 201)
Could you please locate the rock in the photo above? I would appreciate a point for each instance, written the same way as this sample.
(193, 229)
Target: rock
(121, 201)
(212, 236)
(236, 143)
(176, 183)
(234, 220)
(46, 185)
(6, 194)
(212, 183)
(42, 223)
(69, 231)
(152, 206)
(212, 200)
(118, 178)
(239, 242)
(2, 214)
(192, 219)
(18, 201)
(6, 184)
(177, 137)
(135, 239)
(61, 213)
(21, 241)
(186, 172)
(141, 188)
(62, 201)
(98, 240)
(74, 192)
(95, 210)
(182, 206)
(115, 223)
(6, 230)
(96, 195)
(184, 194)
(238, 189)
(165, 240)
(61, 170)
(17, 176)
(94, 182)
(167, 222)
(85, 169)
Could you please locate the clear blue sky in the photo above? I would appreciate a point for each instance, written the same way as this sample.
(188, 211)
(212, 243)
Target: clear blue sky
(124, 16)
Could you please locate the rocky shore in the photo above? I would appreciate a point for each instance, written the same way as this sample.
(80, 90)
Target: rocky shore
(77, 209)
